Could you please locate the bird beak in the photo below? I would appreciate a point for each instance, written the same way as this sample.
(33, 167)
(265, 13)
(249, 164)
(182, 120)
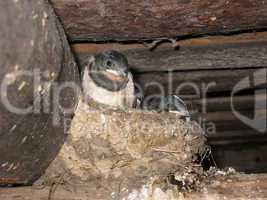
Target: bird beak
(114, 72)
(122, 73)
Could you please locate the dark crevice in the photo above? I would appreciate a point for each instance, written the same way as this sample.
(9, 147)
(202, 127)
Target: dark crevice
(199, 70)
(129, 40)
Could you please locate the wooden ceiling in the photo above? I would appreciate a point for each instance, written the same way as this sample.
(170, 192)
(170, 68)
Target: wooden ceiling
(100, 20)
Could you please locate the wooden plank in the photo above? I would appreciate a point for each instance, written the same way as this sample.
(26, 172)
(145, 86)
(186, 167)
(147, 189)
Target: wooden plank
(224, 126)
(248, 157)
(229, 187)
(197, 83)
(216, 104)
(240, 51)
(237, 137)
(27, 193)
(230, 116)
(253, 186)
(226, 122)
(94, 20)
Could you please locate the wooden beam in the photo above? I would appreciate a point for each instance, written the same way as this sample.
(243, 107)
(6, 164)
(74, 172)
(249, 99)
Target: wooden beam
(197, 83)
(226, 122)
(216, 104)
(218, 52)
(246, 156)
(94, 20)
(35, 60)
(230, 116)
(239, 186)
(237, 137)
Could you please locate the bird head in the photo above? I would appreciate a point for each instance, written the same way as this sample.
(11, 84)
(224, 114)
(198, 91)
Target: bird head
(110, 70)
(175, 104)
(169, 103)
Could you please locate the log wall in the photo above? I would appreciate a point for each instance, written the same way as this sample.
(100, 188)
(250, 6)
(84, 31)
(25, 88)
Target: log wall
(35, 59)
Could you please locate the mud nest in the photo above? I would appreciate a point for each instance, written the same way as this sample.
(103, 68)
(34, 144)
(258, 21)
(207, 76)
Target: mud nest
(124, 148)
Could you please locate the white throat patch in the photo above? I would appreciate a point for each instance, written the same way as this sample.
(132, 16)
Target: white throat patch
(123, 98)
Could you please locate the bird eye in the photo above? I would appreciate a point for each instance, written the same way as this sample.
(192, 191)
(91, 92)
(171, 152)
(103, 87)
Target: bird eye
(109, 63)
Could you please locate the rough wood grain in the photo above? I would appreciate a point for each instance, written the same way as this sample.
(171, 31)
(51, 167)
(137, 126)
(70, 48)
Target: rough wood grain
(33, 45)
(237, 137)
(196, 83)
(217, 52)
(226, 122)
(230, 116)
(216, 104)
(249, 159)
(137, 20)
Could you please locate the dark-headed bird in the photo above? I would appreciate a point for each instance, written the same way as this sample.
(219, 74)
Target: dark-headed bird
(107, 80)
(169, 103)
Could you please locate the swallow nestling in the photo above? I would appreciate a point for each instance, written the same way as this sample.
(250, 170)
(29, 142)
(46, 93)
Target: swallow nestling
(170, 103)
(139, 96)
(107, 79)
